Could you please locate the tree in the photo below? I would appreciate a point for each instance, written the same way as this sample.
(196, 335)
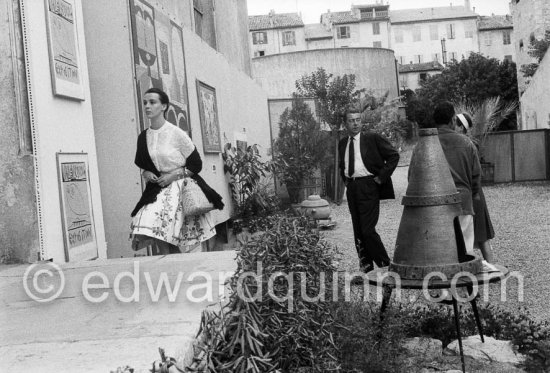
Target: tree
(301, 147)
(537, 50)
(332, 96)
(473, 79)
(380, 115)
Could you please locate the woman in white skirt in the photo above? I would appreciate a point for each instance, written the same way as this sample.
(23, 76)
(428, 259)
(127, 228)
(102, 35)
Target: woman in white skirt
(168, 158)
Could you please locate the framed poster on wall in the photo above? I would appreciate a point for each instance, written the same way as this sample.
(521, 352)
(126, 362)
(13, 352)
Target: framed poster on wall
(208, 112)
(76, 207)
(63, 47)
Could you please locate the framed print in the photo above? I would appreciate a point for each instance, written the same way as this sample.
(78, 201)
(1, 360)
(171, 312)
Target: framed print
(208, 112)
(63, 49)
(76, 207)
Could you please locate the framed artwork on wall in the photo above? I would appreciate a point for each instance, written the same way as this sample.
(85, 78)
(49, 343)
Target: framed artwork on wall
(76, 207)
(208, 112)
(63, 47)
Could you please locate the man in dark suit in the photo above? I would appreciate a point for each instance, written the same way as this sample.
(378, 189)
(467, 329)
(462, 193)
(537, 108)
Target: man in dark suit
(367, 161)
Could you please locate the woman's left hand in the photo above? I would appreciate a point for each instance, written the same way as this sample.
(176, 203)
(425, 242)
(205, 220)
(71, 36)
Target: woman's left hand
(166, 179)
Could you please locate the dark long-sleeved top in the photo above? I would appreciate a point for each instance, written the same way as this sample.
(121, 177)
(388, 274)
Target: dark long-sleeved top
(463, 160)
(379, 157)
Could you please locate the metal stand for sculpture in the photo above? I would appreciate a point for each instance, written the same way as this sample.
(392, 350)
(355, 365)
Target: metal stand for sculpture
(429, 250)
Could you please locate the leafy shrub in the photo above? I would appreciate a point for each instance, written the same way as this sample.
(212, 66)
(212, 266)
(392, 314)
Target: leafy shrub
(245, 169)
(282, 331)
(367, 343)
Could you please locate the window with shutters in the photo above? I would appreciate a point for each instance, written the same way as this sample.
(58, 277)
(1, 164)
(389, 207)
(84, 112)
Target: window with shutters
(417, 34)
(506, 37)
(376, 28)
(343, 32)
(488, 39)
(398, 35)
(259, 37)
(198, 13)
(377, 44)
(434, 32)
(289, 38)
(451, 31)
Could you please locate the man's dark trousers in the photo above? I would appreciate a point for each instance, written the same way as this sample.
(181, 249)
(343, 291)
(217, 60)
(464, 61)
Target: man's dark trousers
(363, 196)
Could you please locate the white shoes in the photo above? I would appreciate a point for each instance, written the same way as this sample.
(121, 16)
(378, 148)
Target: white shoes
(488, 267)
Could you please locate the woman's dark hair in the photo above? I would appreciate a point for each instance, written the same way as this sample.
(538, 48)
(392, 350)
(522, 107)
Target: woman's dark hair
(443, 113)
(162, 96)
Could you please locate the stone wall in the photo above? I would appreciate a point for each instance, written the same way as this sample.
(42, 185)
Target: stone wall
(19, 239)
(535, 101)
(374, 68)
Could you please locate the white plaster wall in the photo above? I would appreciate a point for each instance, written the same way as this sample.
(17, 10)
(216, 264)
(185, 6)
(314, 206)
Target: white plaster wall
(61, 125)
(353, 41)
(374, 69)
(497, 49)
(411, 79)
(426, 47)
(535, 101)
(19, 238)
(529, 16)
(116, 124)
(320, 44)
(242, 104)
(367, 38)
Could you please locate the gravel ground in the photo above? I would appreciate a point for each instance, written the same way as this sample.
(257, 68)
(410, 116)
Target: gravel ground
(520, 213)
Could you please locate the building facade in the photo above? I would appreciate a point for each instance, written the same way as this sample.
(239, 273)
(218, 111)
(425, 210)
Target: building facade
(365, 26)
(531, 19)
(276, 33)
(413, 74)
(72, 112)
(441, 34)
(422, 35)
(496, 35)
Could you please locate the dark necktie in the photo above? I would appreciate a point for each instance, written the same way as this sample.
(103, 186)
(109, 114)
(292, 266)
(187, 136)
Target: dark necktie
(351, 158)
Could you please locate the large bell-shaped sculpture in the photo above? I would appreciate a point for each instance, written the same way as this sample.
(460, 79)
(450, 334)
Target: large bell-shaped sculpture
(429, 238)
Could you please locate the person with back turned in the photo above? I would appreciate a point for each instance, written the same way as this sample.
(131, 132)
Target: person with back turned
(367, 161)
(463, 160)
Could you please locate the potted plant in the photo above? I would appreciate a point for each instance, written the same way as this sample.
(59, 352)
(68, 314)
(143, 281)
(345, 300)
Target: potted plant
(250, 196)
(487, 116)
(300, 149)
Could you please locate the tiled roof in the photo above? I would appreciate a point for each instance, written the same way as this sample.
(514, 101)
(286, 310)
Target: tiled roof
(416, 67)
(429, 14)
(495, 22)
(340, 17)
(317, 31)
(273, 20)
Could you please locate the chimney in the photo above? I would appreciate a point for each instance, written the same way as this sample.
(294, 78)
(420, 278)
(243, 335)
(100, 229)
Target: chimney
(474, 9)
(467, 4)
(432, 12)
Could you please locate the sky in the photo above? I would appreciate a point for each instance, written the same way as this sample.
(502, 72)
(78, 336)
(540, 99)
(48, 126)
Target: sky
(311, 9)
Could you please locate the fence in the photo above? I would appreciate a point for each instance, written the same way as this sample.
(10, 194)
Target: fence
(519, 155)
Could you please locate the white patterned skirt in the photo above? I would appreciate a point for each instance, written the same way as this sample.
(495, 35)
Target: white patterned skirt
(164, 220)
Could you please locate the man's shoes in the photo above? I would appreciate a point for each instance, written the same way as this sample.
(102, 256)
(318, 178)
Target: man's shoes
(366, 268)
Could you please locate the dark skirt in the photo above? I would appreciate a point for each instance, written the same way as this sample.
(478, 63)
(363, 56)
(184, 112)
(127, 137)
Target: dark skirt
(483, 228)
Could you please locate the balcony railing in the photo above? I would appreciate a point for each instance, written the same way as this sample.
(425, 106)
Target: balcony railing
(374, 14)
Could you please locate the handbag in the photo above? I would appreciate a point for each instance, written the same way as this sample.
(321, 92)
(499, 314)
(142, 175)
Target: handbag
(193, 200)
